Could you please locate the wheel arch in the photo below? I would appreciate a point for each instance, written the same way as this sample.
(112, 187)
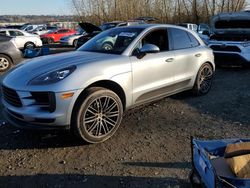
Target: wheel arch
(8, 57)
(211, 64)
(113, 86)
(108, 84)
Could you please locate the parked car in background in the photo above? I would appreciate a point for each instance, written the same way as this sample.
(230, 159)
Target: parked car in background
(87, 90)
(71, 40)
(22, 39)
(204, 29)
(13, 26)
(230, 39)
(191, 26)
(30, 27)
(9, 54)
(55, 36)
(44, 29)
(92, 30)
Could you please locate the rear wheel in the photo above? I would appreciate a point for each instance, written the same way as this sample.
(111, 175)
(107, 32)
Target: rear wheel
(203, 80)
(98, 115)
(29, 45)
(50, 41)
(5, 63)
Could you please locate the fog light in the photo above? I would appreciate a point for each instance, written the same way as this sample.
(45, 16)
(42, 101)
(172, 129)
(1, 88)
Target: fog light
(67, 95)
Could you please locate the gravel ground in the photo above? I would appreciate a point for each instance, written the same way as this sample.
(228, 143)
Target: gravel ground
(150, 149)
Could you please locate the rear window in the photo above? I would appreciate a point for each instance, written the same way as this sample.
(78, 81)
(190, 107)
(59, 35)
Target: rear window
(194, 41)
(180, 39)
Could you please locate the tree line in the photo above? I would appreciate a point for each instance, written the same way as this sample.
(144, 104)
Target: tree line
(166, 11)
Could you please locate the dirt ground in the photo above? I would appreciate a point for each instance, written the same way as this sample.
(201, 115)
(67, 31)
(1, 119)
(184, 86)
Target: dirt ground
(150, 149)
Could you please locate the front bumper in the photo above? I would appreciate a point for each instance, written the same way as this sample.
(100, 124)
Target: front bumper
(66, 43)
(36, 116)
(39, 43)
(230, 53)
(231, 58)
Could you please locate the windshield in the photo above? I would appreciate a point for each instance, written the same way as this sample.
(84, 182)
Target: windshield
(79, 31)
(113, 41)
(107, 26)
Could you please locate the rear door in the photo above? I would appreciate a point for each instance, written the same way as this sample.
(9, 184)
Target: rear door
(187, 52)
(153, 74)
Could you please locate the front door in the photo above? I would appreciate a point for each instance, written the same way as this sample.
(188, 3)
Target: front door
(153, 74)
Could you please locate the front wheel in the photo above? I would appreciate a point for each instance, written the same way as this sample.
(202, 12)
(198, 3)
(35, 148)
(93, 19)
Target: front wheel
(203, 80)
(75, 43)
(98, 115)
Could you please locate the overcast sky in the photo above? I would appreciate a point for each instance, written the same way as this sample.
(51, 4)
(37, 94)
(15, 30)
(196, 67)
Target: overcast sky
(37, 7)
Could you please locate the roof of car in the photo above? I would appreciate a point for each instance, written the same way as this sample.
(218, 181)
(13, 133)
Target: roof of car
(8, 29)
(145, 26)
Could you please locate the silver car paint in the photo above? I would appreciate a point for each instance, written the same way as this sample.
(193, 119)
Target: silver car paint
(137, 77)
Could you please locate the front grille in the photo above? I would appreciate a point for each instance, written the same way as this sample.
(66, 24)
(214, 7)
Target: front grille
(11, 97)
(225, 48)
(45, 100)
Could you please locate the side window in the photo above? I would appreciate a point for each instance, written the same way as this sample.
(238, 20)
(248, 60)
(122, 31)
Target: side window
(29, 28)
(63, 31)
(157, 37)
(194, 41)
(2, 32)
(15, 33)
(180, 39)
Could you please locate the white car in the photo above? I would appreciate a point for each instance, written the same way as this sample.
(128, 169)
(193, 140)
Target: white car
(30, 27)
(22, 39)
(43, 30)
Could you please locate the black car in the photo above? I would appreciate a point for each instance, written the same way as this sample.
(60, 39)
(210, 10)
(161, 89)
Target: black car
(92, 30)
(9, 54)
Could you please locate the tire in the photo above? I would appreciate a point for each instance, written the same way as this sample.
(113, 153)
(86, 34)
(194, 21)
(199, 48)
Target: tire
(29, 45)
(97, 116)
(204, 79)
(195, 179)
(75, 43)
(107, 46)
(50, 40)
(5, 63)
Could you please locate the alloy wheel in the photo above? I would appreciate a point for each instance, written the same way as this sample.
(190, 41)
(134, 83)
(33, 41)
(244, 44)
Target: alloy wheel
(4, 63)
(101, 116)
(205, 80)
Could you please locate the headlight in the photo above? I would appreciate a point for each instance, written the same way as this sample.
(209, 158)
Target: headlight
(52, 77)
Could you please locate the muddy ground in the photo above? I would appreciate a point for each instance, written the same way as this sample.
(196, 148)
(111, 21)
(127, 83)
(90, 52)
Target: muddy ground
(150, 149)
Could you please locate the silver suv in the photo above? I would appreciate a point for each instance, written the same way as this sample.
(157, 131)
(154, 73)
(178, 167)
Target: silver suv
(88, 90)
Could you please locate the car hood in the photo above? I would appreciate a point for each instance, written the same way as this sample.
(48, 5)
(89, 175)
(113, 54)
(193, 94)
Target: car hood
(37, 66)
(231, 24)
(89, 28)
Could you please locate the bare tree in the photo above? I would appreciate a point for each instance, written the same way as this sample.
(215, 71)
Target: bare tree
(167, 11)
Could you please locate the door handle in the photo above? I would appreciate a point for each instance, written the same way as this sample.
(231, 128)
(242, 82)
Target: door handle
(198, 55)
(169, 60)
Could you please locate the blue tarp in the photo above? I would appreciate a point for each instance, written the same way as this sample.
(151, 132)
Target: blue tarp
(203, 165)
(30, 53)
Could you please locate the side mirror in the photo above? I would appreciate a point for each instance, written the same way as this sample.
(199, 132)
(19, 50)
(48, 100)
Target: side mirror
(149, 48)
(146, 49)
